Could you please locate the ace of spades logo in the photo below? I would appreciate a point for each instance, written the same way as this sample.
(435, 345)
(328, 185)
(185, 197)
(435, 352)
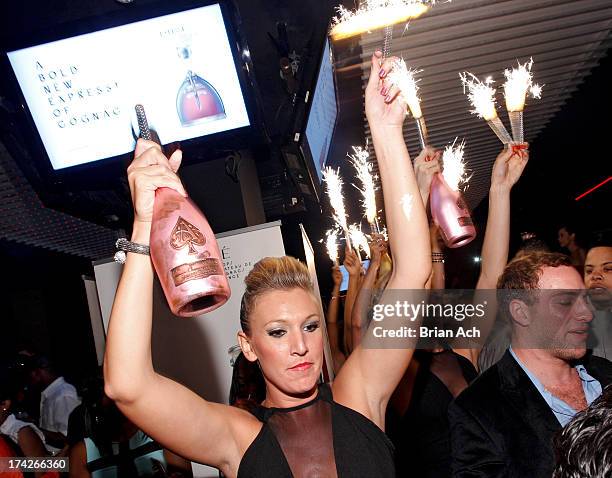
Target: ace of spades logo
(186, 234)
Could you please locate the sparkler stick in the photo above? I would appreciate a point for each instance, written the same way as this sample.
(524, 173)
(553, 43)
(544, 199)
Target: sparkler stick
(359, 160)
(482, 98)
(375, 14)
(404, 79)
(519, 81)
(333, 184)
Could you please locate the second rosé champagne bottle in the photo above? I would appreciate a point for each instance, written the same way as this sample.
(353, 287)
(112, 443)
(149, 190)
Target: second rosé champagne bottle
(450, 213)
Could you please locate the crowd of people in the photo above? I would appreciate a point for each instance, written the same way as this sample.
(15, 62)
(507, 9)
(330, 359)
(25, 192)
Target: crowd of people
(533, 399)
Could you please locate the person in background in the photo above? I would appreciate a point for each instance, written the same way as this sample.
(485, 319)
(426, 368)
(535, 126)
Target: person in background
(331, 318)
(248, 388)
(352, 263)
(7, 451)
(583, 449)
(114, 447)
(359, 319)
(568, 240)
(440, 370)
(26, 436)
(598, 281)
(507, 417)
(58, 399)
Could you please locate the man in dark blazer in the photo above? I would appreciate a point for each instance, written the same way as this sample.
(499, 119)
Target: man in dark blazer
(502, 425)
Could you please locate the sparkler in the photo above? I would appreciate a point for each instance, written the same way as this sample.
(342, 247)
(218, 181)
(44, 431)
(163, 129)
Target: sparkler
(454, 166)
(331, 244)
(359, 160)
(359, 239)
(333, 184)
(374, 14)
(482, 97)
(404, 79)
(519, 81)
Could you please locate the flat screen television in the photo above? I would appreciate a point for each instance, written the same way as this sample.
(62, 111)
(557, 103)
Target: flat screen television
(314, 123)
(323, 113)
(183, 67)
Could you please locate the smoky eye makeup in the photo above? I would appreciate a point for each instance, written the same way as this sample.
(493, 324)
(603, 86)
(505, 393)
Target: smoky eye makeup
(276, 332)
(312, 326)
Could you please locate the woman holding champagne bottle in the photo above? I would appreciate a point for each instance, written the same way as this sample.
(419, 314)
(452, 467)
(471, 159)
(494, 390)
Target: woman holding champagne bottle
(300, 429)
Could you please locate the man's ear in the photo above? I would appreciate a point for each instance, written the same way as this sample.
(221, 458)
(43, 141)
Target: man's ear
(245, 345)
(5, 405)
(519, 311)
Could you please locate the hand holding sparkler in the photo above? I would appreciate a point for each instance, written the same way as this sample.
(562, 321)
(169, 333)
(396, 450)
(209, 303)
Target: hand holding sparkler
(383, 110)
(509, 167)
(482, 97)
(426, 165)
(352, 262)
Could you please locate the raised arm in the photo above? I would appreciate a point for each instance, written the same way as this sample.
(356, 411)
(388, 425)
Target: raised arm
(507, 170)
(170, 413)
(370, 375)
(352, 263)
(333, 331)
(359, 315)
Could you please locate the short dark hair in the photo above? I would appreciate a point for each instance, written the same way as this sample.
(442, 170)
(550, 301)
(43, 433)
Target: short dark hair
(583, 447)
(523, 273)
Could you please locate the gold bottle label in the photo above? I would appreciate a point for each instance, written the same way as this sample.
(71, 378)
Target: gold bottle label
(196, 270)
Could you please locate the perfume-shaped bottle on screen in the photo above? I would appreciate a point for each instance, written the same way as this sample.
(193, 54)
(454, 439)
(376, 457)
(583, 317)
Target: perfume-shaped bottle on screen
(184, 250)
(197, 100)
(450, 213)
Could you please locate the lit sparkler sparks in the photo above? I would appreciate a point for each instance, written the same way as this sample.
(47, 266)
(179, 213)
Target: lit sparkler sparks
(374, 14)
(519, 81)
(368, 188)
(481, 95)
(454, 166)
(331, 244)
(482, 98)
(359, 239)
(333, 183)
(404, 79)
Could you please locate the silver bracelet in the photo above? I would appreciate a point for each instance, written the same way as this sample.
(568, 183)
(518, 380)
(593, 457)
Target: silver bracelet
(124, 246)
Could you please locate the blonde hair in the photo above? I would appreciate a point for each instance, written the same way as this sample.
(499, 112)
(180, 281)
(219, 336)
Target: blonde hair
(269, 274)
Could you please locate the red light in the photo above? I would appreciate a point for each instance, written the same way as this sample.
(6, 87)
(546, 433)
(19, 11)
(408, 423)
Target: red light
(593, 188)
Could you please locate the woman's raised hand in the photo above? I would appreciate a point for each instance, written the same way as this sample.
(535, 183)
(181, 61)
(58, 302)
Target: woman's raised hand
(150, 170)
(385, 107)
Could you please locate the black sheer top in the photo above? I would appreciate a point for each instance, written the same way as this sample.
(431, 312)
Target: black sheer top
(319, 439)
(422, 435)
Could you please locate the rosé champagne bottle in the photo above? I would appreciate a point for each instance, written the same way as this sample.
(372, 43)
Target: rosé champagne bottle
(450, 213)
(184, 250)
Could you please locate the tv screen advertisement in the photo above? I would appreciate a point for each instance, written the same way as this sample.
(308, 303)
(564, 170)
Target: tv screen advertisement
(81, 91)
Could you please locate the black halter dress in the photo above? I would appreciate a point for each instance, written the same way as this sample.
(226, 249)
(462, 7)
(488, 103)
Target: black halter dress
(319, 439)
